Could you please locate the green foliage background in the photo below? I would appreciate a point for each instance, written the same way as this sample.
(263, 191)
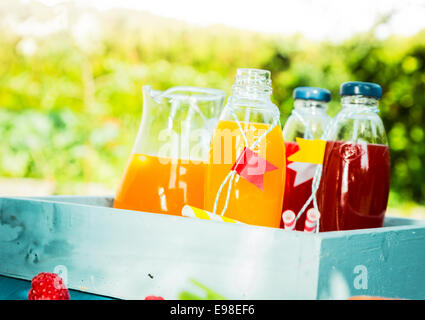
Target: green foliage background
(70, 111)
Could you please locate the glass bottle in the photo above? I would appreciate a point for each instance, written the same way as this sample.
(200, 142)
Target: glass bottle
(169, 159)
(249, 120)
(355, 182)
(308, 121)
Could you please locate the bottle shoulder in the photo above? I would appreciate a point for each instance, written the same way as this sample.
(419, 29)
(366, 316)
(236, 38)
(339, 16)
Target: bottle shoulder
(311, 127)
(363, 126)
(255, 104)
(251, 110)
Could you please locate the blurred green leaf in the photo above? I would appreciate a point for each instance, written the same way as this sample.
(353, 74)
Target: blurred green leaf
(208, 293)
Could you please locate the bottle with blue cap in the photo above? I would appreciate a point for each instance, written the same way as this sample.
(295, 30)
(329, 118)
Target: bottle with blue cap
(309, 117)
(355, 180)
(308, 121)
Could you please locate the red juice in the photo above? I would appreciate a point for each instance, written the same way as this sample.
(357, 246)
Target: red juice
(295, 196)
(354, 188)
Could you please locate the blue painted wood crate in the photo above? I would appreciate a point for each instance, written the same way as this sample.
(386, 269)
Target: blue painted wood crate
(127, 254)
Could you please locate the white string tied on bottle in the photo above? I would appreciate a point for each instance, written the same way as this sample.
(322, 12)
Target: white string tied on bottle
(327, 134)
(230, 176)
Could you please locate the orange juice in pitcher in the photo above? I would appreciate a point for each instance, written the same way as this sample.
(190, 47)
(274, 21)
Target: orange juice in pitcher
(161, 185)
(168, 164)
(246, 169)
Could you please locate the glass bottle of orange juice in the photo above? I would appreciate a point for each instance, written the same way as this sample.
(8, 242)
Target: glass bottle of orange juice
(167, 166)
(246, 169)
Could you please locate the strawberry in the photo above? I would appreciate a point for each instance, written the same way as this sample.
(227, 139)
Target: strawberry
(154, 298)
(48, 286)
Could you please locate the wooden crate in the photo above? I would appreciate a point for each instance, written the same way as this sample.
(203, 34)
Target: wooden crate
(127, 254)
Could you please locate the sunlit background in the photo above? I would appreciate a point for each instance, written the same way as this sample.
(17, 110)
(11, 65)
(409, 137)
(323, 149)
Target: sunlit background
(71, 73)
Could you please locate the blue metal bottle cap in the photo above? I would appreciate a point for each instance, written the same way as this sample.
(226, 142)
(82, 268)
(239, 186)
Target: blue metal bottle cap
(312, 93)
(367, 89)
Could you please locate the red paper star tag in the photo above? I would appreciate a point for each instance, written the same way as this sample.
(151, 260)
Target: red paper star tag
(252, 167)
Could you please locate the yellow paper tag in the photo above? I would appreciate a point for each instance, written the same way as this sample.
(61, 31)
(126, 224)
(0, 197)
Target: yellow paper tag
(311, 151)
(193, 212)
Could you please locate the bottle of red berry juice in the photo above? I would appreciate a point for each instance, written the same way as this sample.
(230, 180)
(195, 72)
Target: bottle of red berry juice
(355, 181)
(308, 121)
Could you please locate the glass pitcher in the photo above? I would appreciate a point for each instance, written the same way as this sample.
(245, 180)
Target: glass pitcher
(308, 120)
(355, 182)
(168, 163)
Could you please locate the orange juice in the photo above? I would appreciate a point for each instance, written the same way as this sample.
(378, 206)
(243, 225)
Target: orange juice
(161, 185)
(247, 203)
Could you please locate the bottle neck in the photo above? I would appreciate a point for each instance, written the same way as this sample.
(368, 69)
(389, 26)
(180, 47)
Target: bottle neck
(250, 94)
(252, 84)
(310, 106)
(359, 101)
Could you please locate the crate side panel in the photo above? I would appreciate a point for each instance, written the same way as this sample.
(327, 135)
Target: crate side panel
(386, 264)
(130, 255)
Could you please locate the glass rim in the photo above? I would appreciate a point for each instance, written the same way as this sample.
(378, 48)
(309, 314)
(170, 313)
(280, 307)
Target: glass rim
(187, 93)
